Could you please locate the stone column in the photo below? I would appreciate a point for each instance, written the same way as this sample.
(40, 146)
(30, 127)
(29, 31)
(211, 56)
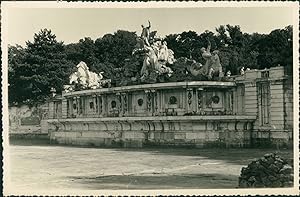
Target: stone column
(200, 100)
(277, 105)
(189, 96)
(80, 105)
(149, 101)
(64, 109)
(229, 102)
(120, 108)
(280, 134)
(95, 103)
(162, 101)
(124, 101)
(51, 109)
(277, 101)
(235, 102)
(251, 101)
(155, 102)
(76, 102)
(158, 101)
(99, 105)
(104, 108)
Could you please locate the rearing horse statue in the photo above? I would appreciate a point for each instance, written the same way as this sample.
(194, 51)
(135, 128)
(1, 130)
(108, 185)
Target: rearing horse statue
(151, 63)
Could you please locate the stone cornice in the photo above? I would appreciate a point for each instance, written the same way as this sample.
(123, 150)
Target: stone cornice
(234, 118)
(156, 86)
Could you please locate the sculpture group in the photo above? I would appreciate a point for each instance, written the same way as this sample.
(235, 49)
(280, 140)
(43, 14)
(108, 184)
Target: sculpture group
(157, 61)
(211, 68)
(156, 54)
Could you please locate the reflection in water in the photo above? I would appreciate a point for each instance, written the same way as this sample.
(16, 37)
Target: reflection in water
(58, 167)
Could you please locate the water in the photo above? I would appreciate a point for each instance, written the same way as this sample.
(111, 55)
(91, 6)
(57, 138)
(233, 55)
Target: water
(61, 167)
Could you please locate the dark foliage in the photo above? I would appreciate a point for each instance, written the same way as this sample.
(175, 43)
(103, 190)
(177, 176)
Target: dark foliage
(46, 62)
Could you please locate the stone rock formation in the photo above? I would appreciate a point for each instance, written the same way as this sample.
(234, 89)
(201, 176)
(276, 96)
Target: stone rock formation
(269, 171)
(83, 78)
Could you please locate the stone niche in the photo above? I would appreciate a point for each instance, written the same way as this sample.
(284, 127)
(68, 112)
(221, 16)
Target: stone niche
(173, 102)
(113, 105)
(214, 101)
(138, 105)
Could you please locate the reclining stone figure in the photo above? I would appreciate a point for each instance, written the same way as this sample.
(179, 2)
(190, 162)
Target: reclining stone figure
(85, 79)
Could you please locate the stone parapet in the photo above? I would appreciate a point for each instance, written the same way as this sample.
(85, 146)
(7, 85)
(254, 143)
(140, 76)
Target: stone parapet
(164, 86)
(252, 75)
(276, 72)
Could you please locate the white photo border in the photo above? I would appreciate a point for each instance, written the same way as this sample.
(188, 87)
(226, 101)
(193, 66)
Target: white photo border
(5, 6)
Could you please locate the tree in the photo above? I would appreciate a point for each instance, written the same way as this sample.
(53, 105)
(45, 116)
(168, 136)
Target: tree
(84, 50)
(221, 38)
(276, 48)
(43, 66)
(115, 48)
(16, 56)
(46, 63)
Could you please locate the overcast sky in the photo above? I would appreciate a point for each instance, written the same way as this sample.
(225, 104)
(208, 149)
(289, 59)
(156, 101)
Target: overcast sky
(72, 24)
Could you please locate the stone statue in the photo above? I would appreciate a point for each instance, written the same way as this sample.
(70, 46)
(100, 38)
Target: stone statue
(68, 88)
(207, 56)
(212, 65)
(228, 73)
(171, 59)
(156, 46)
(242, 71)
(85, 79)
(151, 64)
(93, 82)
(149, 60)
(156, 55)
(83, 74)
(53, 91)
(163, 52)
(146, 34)
(216, 66)
(73, 78)
(196, 69)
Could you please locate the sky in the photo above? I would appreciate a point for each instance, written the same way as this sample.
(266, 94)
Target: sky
(72, 24)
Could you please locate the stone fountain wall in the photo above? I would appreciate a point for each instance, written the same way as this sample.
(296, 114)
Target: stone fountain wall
(253, 110)
(209, 131)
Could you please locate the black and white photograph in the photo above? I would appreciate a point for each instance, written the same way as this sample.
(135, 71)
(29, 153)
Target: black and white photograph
(150, 98)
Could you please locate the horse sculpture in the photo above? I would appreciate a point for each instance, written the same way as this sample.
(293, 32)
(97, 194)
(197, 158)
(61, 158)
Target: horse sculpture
(156, 55)
(151, 63)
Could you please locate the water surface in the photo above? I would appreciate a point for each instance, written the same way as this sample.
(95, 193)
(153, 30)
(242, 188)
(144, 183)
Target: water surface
(62, 167)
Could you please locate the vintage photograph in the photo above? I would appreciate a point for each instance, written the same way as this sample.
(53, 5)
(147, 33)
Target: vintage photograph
(156, 98)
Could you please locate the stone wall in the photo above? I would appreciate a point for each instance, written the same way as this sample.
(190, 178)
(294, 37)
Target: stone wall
(269, 96)
(25, 119)
(199, 113)
(288, 101)
(209, 131)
